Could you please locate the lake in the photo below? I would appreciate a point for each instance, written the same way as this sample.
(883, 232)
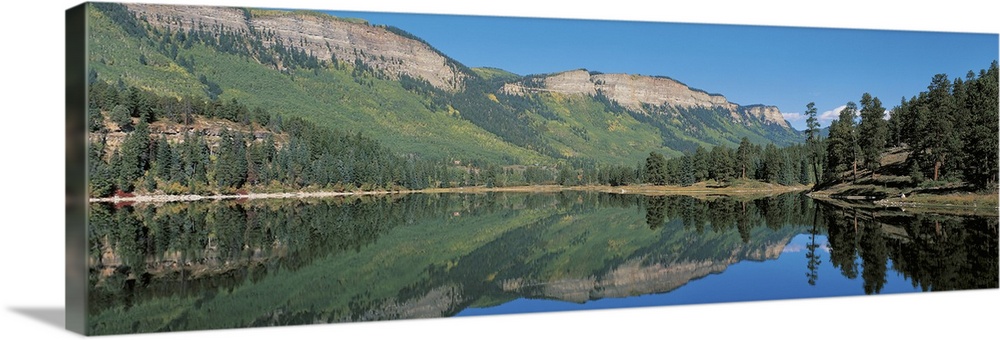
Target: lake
(269, 262)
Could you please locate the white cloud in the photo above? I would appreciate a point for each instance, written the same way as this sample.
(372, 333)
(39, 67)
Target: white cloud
(827, 116)
(793, 248)
(797, 118)
(793, 117)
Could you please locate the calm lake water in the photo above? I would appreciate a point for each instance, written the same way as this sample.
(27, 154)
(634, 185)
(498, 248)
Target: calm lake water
(227, 264)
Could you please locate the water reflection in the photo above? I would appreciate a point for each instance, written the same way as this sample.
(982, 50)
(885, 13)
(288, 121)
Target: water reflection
(276, 262)
(936, 252)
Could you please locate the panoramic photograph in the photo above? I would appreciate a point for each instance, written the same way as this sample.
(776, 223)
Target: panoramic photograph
(257, 167)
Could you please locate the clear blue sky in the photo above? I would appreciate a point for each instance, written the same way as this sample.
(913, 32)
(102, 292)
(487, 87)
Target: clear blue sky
(785, 67)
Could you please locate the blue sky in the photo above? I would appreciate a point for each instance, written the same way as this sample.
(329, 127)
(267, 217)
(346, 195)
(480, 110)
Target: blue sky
(785, 67)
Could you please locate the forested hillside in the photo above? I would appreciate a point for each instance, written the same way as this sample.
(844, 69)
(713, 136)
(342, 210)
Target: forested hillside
(186, 102)
(366, 86)
(941, 140)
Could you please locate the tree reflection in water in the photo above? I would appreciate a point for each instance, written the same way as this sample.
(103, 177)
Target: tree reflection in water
(230, 264)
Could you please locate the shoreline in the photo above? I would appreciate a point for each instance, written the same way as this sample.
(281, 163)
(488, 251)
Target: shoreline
(700, 190)
(192, 197)
(631, 189)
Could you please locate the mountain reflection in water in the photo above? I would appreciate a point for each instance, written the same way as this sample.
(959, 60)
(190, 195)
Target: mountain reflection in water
(207, 265)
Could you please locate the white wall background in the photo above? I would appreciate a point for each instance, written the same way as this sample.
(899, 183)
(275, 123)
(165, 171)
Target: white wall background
(32, 187)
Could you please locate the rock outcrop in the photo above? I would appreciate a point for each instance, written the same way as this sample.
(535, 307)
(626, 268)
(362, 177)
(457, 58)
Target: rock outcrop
(638, 93)
(636, 278)
(320, 35)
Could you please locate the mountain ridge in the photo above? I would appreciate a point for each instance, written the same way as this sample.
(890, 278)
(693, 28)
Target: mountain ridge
(634, 91)
(323, 36)
(352, 75)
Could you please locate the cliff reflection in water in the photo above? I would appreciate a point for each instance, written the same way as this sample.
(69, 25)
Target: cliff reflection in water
(230, 264)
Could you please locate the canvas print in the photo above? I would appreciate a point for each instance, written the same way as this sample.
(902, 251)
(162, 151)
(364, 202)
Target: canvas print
(253, 167)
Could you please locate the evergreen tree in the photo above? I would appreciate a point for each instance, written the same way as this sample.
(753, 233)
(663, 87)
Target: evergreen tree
(656, 169)
(896, 124)
(842, 145)
(101, 180)
(566, 176)
(773, 164)
(120, 116)
(95, 121)
(195, 161)
(686, 170)
(872, 132)
(701, 164)
(163, 162)
(940, 139)
(743, 156)
(132, 163)
(231, 164)
(140, 104)
(981, 141)
(722, 164)
(814, 142)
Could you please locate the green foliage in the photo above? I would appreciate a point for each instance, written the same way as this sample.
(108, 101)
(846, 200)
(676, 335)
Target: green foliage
(163, 163)
(981, 143)
(120, 15)
(406, 114)
(95, 120)
(951, 129)
(656, 169)
(773, 164)
(133, 157)
(722, 164)
(744, 157)
(842, 145)
(212, 89)
(231, 164)
(815, 144)
(341, 246)
(872, 132)
(120, 116)
(567, 176)
(101, 177)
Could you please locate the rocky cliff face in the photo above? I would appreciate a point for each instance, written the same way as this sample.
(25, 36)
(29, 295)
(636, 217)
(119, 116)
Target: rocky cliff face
(637, 93)
(633, 277)
(765, 114)
(321, 35)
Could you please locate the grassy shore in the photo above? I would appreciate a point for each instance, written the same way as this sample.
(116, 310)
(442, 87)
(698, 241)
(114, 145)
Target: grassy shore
(701, 190)
(893, 187)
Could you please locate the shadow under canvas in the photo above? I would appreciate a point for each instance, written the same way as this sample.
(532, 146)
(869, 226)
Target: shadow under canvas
(54, 316)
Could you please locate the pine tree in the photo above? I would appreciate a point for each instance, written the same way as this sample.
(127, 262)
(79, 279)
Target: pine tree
(981, 143)
(231, 164)
(656, 169)
(100, 179)
(842, 145)
(120, 116)
(773, 164)
(163, 162)
(701, 164)
(872, 132)
(722, 164)
(743, 154)
(686, 169)
(95, 121)
(940, 137)
(134, 157)
(195, 161)
(814, 142)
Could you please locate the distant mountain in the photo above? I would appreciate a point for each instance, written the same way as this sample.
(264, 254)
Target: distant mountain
(686, 117)
(390, 85)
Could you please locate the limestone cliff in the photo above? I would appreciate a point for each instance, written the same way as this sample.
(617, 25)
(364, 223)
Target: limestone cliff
(639, 93)
(320, 35)
(636, 278)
